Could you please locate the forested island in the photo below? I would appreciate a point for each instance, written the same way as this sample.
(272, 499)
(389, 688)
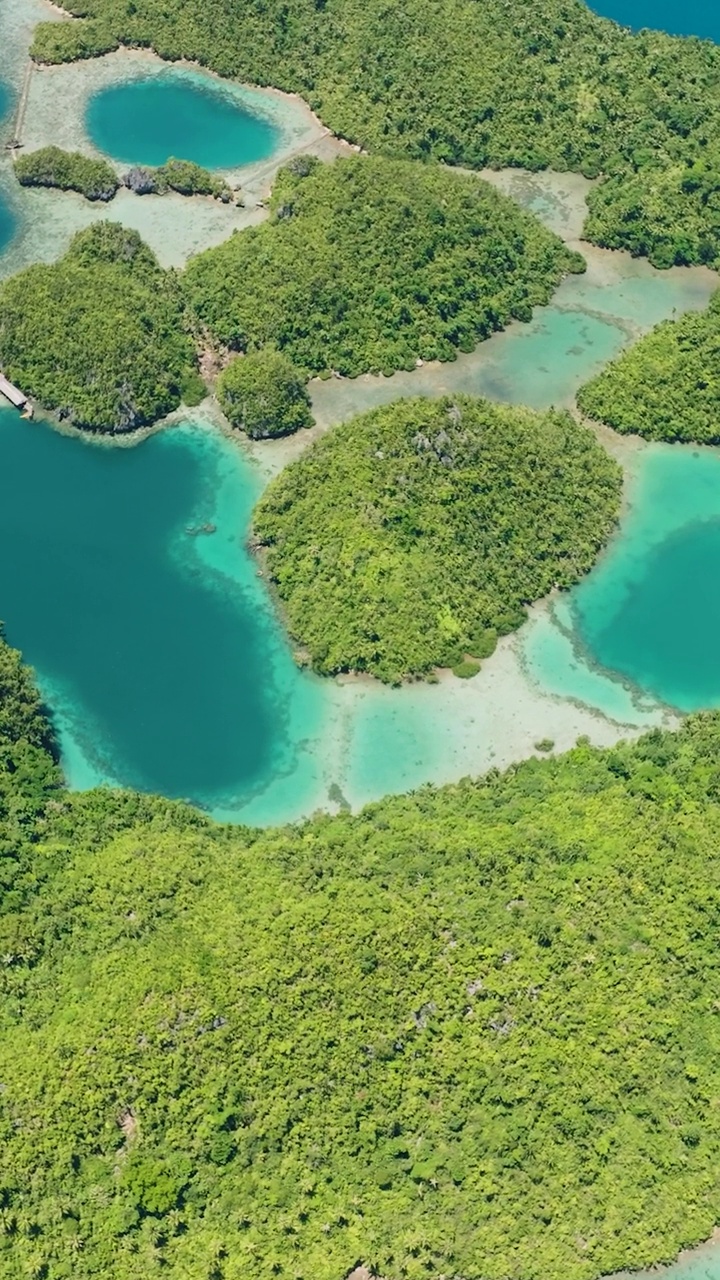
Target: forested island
(666, 386)
(547, 85)
(264, 395)
(469, 1031)
(99, 337)
(412, 536)
(369, 264)
(365, 264)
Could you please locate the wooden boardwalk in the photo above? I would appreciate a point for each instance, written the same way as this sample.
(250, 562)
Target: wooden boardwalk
(12, 393)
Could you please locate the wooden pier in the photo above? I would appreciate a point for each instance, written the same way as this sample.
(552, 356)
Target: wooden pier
(11, 393)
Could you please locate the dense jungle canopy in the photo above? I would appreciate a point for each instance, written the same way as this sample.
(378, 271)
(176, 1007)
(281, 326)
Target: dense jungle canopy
(414, 534)
(368, 264)
(502, 82)
(470, 1031)
(98, 336)
(666, 386)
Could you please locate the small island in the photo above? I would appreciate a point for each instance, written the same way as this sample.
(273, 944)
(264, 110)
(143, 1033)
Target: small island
(413, 536)
(67, 171)
(98, 338)
(97, 179)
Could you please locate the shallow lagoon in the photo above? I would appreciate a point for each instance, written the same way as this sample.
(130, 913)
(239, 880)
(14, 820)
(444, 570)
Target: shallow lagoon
(145, 121)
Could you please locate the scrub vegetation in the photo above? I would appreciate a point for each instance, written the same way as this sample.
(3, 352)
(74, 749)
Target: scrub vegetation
(370, 264)
(469, 1031)
(410, 537)
(69, 171)
(666, 386)
(264, 394)
(499, 83)
(98, 337)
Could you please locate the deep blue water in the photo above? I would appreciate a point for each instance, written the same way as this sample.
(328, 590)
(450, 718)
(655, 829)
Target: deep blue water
(678, 17)
(173, 114)
(161, 668)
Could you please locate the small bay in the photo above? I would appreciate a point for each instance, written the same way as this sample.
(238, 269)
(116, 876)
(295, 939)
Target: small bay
(650, 610)
(147, 120)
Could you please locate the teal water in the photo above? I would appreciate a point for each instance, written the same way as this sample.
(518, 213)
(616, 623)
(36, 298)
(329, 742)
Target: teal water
(650, 611)
(4, 100)
(154, 646)
(7, 222)
(689, 18)
(178, 114)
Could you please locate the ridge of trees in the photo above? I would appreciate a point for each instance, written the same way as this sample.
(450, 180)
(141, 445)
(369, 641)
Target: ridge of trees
(98, 337)
(369, 264)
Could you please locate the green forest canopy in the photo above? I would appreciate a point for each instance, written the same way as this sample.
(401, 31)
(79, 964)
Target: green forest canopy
(495, 83)
(98, 336)
(405, 537)
(666, 386)
(471, 1031)
(370, 264)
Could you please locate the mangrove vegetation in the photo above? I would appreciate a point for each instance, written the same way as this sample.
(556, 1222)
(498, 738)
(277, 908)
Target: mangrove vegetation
(412, 536)
(546, 85)
(68, 171)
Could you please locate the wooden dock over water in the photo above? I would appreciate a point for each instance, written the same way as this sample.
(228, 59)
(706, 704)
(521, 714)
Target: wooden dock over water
(13, 394)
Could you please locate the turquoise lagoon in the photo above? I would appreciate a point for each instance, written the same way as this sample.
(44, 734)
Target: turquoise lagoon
(650, 611)
(154, 643)
(182, 114)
